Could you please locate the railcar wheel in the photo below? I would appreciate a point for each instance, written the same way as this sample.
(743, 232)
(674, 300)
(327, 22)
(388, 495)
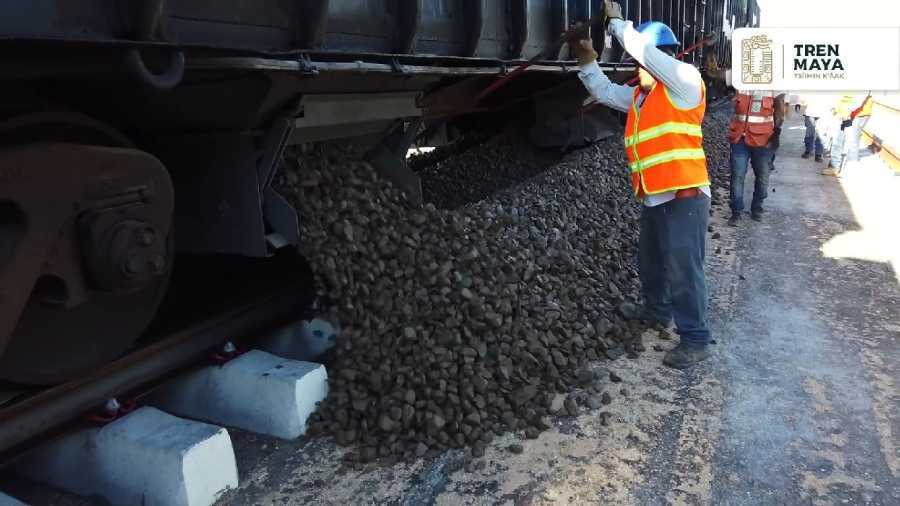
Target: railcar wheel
(90, 246)
(52, 344)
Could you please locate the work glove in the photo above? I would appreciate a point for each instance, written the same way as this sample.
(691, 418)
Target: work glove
(584, 51)
(612, 10)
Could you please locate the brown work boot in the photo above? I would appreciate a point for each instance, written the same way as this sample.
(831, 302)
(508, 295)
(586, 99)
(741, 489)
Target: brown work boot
(806, 155)
(684, 356)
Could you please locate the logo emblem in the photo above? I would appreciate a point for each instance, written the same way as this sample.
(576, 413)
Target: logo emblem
(756, 60)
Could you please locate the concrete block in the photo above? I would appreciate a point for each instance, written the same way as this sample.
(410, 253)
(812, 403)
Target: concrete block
(308, 340)
(6, 500)
(257, 391)
(147, 457)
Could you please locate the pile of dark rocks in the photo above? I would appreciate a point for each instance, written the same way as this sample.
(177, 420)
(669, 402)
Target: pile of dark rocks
(460, 324)
(716, 146)
(453, 178)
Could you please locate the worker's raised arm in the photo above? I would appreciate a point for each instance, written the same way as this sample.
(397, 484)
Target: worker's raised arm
(682, 80)
(608, 93)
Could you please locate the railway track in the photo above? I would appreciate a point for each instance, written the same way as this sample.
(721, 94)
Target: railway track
(54, 411)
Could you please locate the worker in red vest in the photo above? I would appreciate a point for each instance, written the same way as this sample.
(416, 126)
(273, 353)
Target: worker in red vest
(757, 115)
(664, 148)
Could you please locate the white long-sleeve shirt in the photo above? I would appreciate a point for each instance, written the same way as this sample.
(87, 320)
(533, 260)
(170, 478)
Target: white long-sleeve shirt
(818, 105)
(683, 81)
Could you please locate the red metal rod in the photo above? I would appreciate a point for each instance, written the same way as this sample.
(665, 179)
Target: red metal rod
(502, 81)
(577, 32)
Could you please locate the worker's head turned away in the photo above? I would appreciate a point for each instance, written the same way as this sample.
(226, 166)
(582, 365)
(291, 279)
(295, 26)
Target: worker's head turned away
(661, 36)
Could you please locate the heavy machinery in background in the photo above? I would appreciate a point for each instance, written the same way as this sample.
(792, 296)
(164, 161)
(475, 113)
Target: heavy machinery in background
(137, 134)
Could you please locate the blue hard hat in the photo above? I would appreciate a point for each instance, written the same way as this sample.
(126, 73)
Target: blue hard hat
(659, 33)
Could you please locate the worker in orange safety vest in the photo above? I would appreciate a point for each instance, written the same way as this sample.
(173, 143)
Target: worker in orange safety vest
(667, 164)
(757, 116)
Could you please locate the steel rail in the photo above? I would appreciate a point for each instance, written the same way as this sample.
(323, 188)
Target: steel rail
(24, 421)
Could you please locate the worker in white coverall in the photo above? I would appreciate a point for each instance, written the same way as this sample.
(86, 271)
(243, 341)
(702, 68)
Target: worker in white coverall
(816, 117)
(667, 163)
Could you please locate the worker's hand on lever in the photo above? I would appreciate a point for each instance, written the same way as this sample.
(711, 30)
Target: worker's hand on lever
(612, 10)
(584, 51)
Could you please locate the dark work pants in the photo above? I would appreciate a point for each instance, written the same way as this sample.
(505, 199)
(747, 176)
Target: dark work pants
(760, 159)
(813, 138)
(672, 248)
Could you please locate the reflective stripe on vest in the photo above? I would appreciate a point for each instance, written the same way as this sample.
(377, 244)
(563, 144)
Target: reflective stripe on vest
(667, 156)
(666, 128)
(665, 145)
(754, 119)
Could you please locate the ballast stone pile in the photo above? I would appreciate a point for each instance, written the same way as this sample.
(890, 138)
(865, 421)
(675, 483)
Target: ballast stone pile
(469, 171)
(717, 148)
(452, 177)
(459, 325)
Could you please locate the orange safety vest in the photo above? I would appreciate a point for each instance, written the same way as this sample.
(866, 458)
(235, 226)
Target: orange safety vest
(754, 118)
(664, 143)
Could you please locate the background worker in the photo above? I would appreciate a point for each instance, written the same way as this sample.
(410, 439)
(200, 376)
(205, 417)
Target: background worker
(854, 115)
(860, 117)
(757, 115)
(663, 144)
(841, 120)
(816, 110)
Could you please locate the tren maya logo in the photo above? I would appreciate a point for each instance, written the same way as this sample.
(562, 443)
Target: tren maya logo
(811, 58)
(757, 66)
(817, 61)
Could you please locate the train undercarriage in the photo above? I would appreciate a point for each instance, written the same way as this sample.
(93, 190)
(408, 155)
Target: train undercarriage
(133, 143)
(97, 205)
